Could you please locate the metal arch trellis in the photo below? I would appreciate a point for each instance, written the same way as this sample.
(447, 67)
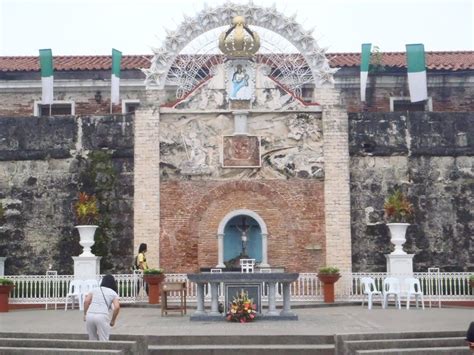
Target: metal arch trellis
(187, 71)
(289, 69)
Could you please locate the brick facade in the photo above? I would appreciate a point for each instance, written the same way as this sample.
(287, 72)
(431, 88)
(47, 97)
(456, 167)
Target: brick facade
(192, 210)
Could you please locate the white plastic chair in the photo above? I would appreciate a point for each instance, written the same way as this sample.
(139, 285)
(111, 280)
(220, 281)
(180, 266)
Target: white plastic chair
(391, 286)
(75, 292)
(247, 265)
(369, 289)
(414, 289)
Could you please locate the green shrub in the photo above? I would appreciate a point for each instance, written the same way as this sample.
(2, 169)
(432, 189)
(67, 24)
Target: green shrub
(6, 282)
(329, 270)
(153, 271)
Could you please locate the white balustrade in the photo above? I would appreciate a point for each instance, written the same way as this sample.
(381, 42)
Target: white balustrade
(52, 289)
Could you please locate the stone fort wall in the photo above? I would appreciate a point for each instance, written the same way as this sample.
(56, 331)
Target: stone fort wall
(429, 154)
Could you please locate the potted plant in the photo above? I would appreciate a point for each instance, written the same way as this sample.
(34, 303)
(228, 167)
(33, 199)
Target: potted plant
(398, 213)
(5, 288)
(471, 280)
(242, 308)
(86, 214)
(154, 278)
(328, 275)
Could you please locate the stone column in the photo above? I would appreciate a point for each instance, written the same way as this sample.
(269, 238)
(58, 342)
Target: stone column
(146, 201)
(214, 299)
(220, 251)
(286, 301)
(272, 311)
(337, 205)
(264, 262)
(200, 299)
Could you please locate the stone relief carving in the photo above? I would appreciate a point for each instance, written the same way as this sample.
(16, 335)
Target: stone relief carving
(196, 154)
(291, 146)
(297, 163)
(303, 126)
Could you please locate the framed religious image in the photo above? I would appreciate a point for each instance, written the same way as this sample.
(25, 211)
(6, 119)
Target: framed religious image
(241, 151)
(240, 79)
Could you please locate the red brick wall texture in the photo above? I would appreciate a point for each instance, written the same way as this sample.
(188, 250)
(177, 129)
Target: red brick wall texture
(191, 211)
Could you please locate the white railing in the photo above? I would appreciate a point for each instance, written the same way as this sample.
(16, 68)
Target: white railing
(52, 289)
(445, 286)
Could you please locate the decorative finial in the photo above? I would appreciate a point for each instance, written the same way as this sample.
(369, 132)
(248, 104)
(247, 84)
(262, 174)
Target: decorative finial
(239, 41)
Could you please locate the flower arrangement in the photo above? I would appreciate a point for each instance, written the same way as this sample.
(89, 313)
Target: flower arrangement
(86, 209)
(397, 208)
(241, 309)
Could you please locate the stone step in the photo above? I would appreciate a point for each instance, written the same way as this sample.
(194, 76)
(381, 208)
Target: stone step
(239, 349)
(63, 351)
(454, 350)
(342, 339)
(140, 340)
(354, 345)
(402, 335)
(240, 339)
(127, 347)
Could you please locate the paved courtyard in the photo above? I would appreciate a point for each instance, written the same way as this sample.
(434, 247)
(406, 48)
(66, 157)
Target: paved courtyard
(321, 320)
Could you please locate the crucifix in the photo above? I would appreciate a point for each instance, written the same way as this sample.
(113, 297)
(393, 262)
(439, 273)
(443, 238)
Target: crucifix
(245, 228)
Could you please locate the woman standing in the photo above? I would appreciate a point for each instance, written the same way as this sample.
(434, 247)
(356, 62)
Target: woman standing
(142, 265)
(141, 258)
(97, 306)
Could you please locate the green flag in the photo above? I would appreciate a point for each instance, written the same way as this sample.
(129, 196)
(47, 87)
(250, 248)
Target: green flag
(364, 68)
(46, 64)
(115, 91)
(416, 72)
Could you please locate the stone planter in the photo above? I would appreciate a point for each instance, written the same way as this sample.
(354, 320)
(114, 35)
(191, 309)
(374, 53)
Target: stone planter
(4, 296)
(154, 285)
(328, 281)
(86, 235)
(397, 233)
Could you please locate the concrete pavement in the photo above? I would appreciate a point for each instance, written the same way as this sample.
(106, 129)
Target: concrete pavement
(321, 320)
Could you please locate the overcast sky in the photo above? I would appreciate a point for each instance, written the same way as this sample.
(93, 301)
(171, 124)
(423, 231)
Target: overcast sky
(90, 27)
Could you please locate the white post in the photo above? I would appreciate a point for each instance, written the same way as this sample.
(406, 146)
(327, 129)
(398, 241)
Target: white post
(220, 251)
(240, 122)
(2, 265)
(264, 262)
(86, 267)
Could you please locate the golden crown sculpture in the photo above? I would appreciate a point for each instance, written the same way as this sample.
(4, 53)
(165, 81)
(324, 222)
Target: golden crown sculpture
(239, 40)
